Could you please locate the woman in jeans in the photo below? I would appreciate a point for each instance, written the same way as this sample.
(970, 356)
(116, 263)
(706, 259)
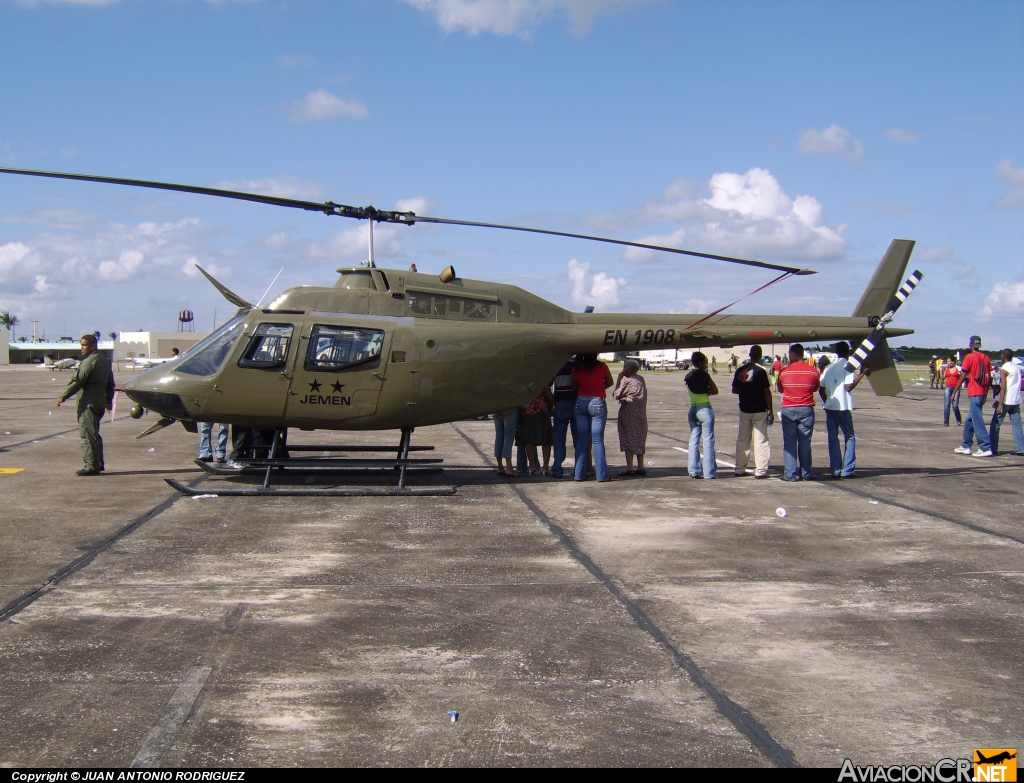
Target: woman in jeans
(951, 381)
(702, 419)
(504, 437)
(591, 378)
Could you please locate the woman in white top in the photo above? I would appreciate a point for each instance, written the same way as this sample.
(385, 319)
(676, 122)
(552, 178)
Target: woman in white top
(1009, 403)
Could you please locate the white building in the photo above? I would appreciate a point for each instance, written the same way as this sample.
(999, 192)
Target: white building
(153, 345)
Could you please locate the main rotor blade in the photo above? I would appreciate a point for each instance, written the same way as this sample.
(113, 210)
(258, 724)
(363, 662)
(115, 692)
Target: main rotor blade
(312, 206)
(746, 262)
(388, 216)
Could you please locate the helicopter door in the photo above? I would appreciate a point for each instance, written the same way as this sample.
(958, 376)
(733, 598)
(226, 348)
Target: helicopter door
(254, 383)
(340, 373)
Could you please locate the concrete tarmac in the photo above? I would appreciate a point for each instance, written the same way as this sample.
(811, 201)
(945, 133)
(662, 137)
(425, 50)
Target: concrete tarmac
(646, 621)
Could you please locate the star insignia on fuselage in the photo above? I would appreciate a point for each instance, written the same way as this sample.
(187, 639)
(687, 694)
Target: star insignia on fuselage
(315, 385)
(337, 386)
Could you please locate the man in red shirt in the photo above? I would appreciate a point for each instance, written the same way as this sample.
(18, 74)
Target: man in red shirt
(798, 381)
(976, 375)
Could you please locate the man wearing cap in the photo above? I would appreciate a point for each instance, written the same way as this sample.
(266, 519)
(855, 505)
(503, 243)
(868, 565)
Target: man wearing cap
(976, 375)
(94, 378)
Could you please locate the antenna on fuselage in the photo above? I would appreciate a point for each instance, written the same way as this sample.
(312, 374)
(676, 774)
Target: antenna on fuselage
(268, 288)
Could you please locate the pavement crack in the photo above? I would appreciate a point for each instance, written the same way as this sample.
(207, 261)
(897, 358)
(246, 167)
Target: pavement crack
(739, 716)
(50, 583)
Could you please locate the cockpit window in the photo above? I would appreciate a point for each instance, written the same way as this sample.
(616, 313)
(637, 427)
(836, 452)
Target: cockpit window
(337, 347)
(207, 356)
(268, 346)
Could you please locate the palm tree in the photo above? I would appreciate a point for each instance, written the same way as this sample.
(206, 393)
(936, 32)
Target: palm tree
(112, 335)
(8, 320)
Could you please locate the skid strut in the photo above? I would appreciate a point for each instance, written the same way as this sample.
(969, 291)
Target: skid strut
(401, 463)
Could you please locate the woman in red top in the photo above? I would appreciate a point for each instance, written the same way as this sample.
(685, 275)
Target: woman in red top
(591, 378)
(952, 376)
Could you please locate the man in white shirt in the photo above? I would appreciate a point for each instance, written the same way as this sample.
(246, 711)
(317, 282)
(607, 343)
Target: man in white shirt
(836, 385)
(1009, 403)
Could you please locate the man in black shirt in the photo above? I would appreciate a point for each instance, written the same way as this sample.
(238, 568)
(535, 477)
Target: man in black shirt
(752, 386)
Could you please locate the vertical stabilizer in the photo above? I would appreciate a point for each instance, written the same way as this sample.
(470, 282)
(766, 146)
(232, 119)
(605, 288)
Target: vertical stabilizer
(886, 280)
(884, 379)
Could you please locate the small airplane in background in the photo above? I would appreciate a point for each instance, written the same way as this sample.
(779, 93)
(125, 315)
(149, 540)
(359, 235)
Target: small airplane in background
(60, 364)
(141, 363)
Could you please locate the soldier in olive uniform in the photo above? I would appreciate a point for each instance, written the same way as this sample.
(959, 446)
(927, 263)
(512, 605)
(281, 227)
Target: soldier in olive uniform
(94, 378)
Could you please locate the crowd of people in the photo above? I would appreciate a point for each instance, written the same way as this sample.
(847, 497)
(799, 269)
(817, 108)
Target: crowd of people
(976, 374)
(576, 405)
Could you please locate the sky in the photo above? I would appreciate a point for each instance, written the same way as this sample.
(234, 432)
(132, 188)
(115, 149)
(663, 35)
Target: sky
(803, 133)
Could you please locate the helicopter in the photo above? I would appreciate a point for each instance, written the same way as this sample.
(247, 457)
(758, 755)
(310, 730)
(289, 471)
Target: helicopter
(386, 349)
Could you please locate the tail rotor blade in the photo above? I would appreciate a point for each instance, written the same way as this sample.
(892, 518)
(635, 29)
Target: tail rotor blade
(856, 361)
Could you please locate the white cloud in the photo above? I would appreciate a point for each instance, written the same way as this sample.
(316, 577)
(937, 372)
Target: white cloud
(1014, 197)
(55, 263)
(283, 186)
(639, 255)
(898, 134)
(418, 204)
(320, 105)
(11, 255)
(600, 290)
(1006, 171)
(833, 140)
(1003, 299)
(935, 255)
(124, 268)
(753, 215)
(351, 244)
(516, 17)
(747, 214)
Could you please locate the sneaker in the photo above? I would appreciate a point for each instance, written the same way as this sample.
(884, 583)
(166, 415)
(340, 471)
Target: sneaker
(219, 460)
(1017, 453)
(206, 459)
(985, 453)
(961, 450)
(232, 464)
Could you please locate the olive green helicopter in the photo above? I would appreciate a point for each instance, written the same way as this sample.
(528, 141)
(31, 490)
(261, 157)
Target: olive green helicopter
(388, 349)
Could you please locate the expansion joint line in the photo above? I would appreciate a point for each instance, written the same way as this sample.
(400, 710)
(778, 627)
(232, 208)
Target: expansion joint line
(47, 586)
(740, 717)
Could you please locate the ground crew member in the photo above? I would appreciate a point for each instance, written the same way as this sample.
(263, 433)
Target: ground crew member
(94, 378)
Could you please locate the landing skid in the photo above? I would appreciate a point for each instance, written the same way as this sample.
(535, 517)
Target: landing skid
(307, 492)
(401, 465)
(319, 470)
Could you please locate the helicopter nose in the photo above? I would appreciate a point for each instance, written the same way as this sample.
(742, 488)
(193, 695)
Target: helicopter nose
(140, 389)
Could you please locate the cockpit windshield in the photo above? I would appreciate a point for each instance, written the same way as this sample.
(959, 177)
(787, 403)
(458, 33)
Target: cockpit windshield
(207, 356)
